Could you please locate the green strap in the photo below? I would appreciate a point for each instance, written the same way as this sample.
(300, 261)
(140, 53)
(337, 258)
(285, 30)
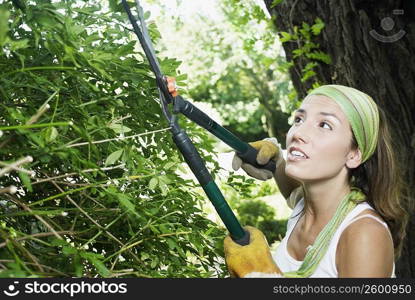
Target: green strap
(322, 242)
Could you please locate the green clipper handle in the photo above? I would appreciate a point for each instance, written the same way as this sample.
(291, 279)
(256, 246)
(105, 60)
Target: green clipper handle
(245, 151)
(196, 164)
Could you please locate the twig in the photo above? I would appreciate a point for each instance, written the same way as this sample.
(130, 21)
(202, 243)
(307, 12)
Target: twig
(95, 201)
(96, 223)
(60, 195)
(120, 119)
(45, 106)
(77, 173)
(42, 234)
(25, 126)
(101, 231)
(117, 139)
(39, 68)
(16, 164)
(10, 189)
(23, 249)
(44, 266)
(26, 208)
(130, 272)
(92, 220)
(38, 114)
(76, 184)
(31, 173)
(142, 240)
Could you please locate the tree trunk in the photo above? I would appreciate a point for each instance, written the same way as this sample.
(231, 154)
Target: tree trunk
(380, 63)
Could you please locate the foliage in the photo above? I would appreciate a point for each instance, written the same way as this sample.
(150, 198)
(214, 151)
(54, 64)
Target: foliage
(253, 79)
(262, 216)
(307, 49)
(246, 198)
(106, 198)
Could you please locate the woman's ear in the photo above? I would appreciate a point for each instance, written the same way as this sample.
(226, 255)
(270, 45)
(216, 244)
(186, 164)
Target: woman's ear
(354, 159)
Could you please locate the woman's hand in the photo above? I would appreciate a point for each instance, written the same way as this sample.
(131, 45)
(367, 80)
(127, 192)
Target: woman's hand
(268, 149)
(254, 257)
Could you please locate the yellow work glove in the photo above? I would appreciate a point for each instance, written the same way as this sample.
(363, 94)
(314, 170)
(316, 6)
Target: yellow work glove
(267, 149)
(254, 257)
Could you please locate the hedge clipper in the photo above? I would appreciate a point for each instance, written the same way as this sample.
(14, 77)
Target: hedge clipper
(169, 95)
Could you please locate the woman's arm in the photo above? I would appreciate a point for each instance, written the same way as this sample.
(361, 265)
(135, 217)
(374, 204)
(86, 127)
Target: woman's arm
(365, 249)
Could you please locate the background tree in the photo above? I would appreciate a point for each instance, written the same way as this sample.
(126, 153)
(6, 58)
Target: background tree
(233, 62)
(107, 196)
(361, 59)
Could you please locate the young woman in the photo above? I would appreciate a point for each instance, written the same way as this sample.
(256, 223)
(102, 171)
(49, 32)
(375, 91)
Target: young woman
(342, 180)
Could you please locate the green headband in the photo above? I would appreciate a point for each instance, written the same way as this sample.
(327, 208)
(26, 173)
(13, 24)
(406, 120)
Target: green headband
(360, 110)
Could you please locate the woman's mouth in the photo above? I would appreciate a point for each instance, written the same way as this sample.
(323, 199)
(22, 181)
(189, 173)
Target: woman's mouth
(296, 154)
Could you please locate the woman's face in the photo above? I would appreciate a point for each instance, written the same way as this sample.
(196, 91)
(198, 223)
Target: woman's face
(319, 141)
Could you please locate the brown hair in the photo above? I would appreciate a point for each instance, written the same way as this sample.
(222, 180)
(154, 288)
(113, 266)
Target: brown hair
(380, 178)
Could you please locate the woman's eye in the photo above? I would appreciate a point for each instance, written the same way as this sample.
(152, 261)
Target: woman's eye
(297, 119)
(325, 124)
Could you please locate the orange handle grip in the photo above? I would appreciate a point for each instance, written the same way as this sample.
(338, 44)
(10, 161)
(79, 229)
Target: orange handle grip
(171, 86)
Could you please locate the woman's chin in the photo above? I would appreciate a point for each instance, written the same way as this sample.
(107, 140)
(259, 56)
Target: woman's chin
(295, 174)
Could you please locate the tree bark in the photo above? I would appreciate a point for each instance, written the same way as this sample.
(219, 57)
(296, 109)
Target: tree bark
(384, 70)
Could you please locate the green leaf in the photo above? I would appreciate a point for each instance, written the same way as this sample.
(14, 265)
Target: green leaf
(164, 228)
(68, 250)
(147, 15)
(154, 263)
(51, 134)
(308, 75)
(181, 77)
(164, 179)
(126, 203)
(320, 55)
(78, 265)
(144, 256)
(113, 157)
(20, 44)
(58, 242)
(275, 3)
(45, 20)
(317, 27)
(298, 52)
(95, 260)
(118, 128)
(169, 165)
(26, 181)
(163, 187)
(306, 27)
(172, 244)
(153, 183)
(154, 229)
(4, 26)
(285, 37)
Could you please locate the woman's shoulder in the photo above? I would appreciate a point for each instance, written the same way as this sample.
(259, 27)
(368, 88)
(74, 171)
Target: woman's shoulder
(366, 241)
(368, 226)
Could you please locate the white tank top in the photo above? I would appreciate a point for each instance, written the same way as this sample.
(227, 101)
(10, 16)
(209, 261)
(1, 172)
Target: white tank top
(327, 266)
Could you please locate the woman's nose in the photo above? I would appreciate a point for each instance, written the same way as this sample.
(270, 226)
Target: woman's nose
(300, 133)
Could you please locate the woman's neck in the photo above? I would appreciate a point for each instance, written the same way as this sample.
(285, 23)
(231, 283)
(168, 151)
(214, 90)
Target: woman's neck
(322, 199)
